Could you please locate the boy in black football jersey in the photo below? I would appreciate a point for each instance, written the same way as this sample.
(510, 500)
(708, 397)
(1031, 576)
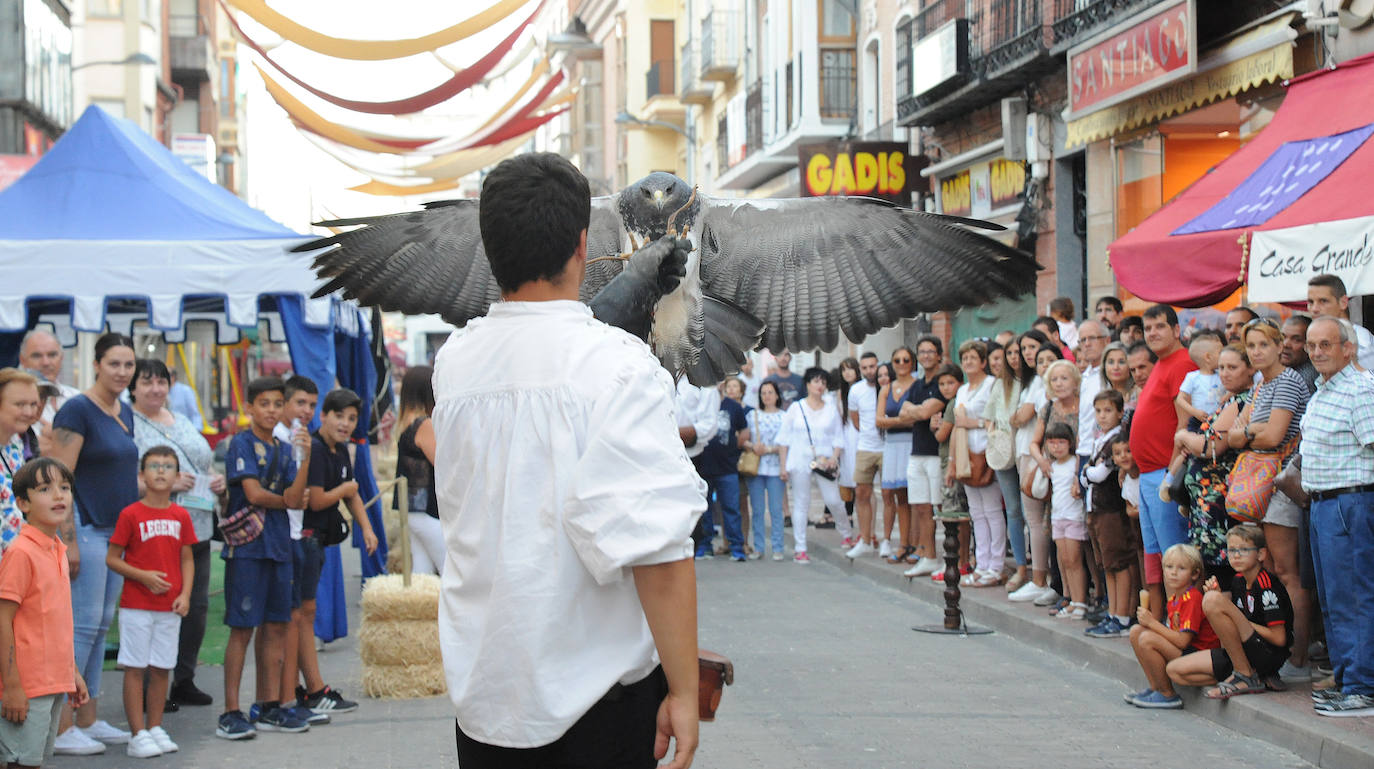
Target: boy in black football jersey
(1253, 621)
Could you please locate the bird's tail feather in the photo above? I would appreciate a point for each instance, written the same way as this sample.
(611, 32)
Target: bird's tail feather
(730, 334)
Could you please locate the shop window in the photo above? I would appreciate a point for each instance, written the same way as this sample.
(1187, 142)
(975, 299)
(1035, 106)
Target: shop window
(1140, 181)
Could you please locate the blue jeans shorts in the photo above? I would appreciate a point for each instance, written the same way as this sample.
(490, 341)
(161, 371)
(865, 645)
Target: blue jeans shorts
(257, 590)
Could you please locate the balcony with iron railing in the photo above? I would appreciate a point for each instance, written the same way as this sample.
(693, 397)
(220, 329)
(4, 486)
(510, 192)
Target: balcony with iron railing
(1076, 20)
(753, 119)
(691, 88)
(660, 96)
(721, 44)
(191, 52)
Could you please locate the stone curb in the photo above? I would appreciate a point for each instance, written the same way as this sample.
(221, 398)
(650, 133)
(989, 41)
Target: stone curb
(1285, 720)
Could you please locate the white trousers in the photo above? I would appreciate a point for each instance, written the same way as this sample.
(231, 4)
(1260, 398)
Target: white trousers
(799, 483)
(426, 544)
(989, 526)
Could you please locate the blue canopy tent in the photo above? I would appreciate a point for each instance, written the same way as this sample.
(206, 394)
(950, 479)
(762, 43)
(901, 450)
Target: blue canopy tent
(109, 225)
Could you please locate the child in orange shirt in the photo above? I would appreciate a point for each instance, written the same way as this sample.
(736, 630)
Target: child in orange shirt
(1157, 644)
(37, 658)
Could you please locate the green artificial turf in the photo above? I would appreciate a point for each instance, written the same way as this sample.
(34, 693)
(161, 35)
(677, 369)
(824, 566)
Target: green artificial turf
(216, 632)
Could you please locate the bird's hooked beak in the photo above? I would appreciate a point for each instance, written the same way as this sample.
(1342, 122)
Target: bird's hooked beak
(659, 198)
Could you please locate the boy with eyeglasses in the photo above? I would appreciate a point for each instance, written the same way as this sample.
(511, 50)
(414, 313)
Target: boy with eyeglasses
(151, 550)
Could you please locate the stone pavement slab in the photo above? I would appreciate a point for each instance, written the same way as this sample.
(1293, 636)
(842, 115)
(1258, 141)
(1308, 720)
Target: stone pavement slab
(828, 674)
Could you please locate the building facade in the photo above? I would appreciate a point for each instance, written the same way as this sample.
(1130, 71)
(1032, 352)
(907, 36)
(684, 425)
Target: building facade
(35, 76)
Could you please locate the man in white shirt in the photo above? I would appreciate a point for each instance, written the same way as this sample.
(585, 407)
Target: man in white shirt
(752, 379)
(1092, 345)
(41, 352)
(868, 457)
(1326, 298)
(697, 421)
(566, 500)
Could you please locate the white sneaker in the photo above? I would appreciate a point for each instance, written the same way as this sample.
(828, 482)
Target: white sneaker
(913, 572)
(74, 742)
(1026, 593)
(164, 741)
(102, 730)
(777, 555)
(142, 745)
(885, 549)
(927, 566)
(858, 551)
(1047, 597)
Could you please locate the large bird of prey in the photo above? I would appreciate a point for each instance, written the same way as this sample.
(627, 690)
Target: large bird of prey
(786, 273)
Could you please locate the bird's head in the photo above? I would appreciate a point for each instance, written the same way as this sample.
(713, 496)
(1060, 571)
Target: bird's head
(646, 205)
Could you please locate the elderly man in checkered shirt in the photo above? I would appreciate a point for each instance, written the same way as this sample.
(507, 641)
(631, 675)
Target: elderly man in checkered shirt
(1338, 473)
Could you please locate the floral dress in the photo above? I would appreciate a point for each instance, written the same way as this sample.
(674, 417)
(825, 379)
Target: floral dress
(1205, 480)
(11, 457)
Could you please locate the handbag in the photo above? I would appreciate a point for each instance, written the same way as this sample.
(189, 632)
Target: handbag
(245, 524)
(336, 529)
(980, 472)
(1001, 451)
(1250, 484)
(748, 465)
(816, 466)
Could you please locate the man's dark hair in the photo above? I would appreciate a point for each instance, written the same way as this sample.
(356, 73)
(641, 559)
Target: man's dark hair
(1131, 321)
(298, 383)
(533, 210)
(1305, 320)
(149, 367)
(264, 384)
(1244, 309)
(1112, 395)
(1327, 280)
(1162, 311)
(1139, 347)
(935, 340)
(159, 451)
(1049, 323)
(37, 472)
(1112, 302)
(869, 354)
(816, 372)
(340, 399)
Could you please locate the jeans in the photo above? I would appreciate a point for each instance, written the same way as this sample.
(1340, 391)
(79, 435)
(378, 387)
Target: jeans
(1161, 527)
(1010, 483)
(193, 624)
(772, 486)
(723, 493)
(95, 596)
(1342, 540)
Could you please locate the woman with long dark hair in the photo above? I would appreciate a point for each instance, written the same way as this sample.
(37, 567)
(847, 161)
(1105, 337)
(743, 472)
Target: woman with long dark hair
(93, 435)
(415, 463)
(846, 375)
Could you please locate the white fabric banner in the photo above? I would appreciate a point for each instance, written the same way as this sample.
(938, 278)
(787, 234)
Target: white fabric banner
(1282, 261)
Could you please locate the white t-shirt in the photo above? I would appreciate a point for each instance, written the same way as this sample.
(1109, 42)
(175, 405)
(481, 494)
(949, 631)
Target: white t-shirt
(1204, 390)
(296, 517)
(974, 401)
(863, 398)
(1130, 490)
(1034, 394)
(1064, 506)
(1366, 352)
(825, 434)
(566, 447)
(698, 408)
(1088, 389)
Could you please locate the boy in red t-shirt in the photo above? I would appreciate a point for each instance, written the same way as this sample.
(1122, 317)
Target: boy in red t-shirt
(37, 665)
(151, 549)
(1157, 644)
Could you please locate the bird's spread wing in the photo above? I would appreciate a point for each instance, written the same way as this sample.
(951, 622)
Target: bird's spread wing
(812, 267)
(432, 261)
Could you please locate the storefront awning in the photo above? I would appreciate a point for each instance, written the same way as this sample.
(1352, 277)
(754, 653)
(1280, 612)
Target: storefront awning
(1310, 165)
(1261, 55)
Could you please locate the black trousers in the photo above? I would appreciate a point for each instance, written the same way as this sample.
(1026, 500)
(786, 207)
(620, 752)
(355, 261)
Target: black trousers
(193, 624)
(617, 733)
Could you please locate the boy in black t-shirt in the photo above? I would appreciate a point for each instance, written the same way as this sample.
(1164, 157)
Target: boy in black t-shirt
(331, 482)
(718, 465)
(1253, 621)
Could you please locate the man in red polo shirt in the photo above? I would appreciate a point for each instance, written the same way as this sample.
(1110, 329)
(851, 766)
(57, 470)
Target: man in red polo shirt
(1152, 440)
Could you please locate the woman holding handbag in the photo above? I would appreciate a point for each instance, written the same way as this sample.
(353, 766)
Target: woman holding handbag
(765, 429)
(1003, 402)
(980, 484)
(1268, 432)
(896, 449)
(811, 443)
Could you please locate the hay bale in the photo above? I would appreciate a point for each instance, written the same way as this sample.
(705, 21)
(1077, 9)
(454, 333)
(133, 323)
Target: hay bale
(404, 681)
(385, 597)
(399, 638)
(399, 642)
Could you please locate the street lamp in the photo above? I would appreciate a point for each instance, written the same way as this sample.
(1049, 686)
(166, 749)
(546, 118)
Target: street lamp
(139, 59)
(688, 133)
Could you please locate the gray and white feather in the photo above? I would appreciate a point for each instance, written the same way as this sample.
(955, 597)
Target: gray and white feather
(778, 273)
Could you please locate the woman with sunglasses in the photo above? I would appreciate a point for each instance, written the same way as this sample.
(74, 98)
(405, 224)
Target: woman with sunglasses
(896, 448)
(1270, 425)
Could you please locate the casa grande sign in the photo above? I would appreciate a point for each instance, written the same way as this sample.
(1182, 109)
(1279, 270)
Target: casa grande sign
(871, 169)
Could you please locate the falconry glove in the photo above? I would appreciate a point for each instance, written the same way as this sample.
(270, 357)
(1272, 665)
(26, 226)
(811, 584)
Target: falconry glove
(628, 300)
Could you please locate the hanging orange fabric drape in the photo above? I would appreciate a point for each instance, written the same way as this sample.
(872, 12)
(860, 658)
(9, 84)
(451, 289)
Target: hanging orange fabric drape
(373, 50)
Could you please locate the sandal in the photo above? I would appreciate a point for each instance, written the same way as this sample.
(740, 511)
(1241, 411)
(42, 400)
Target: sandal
(901, 557)
(1234, 686)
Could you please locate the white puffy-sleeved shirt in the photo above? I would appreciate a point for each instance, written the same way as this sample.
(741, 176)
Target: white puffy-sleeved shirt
(827, 434)
(558, 467)
(699, 409)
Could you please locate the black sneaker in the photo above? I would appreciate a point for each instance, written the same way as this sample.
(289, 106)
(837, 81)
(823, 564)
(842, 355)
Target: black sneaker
(234, 726)
(328, 701)
(279, 719)
(186, 693)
